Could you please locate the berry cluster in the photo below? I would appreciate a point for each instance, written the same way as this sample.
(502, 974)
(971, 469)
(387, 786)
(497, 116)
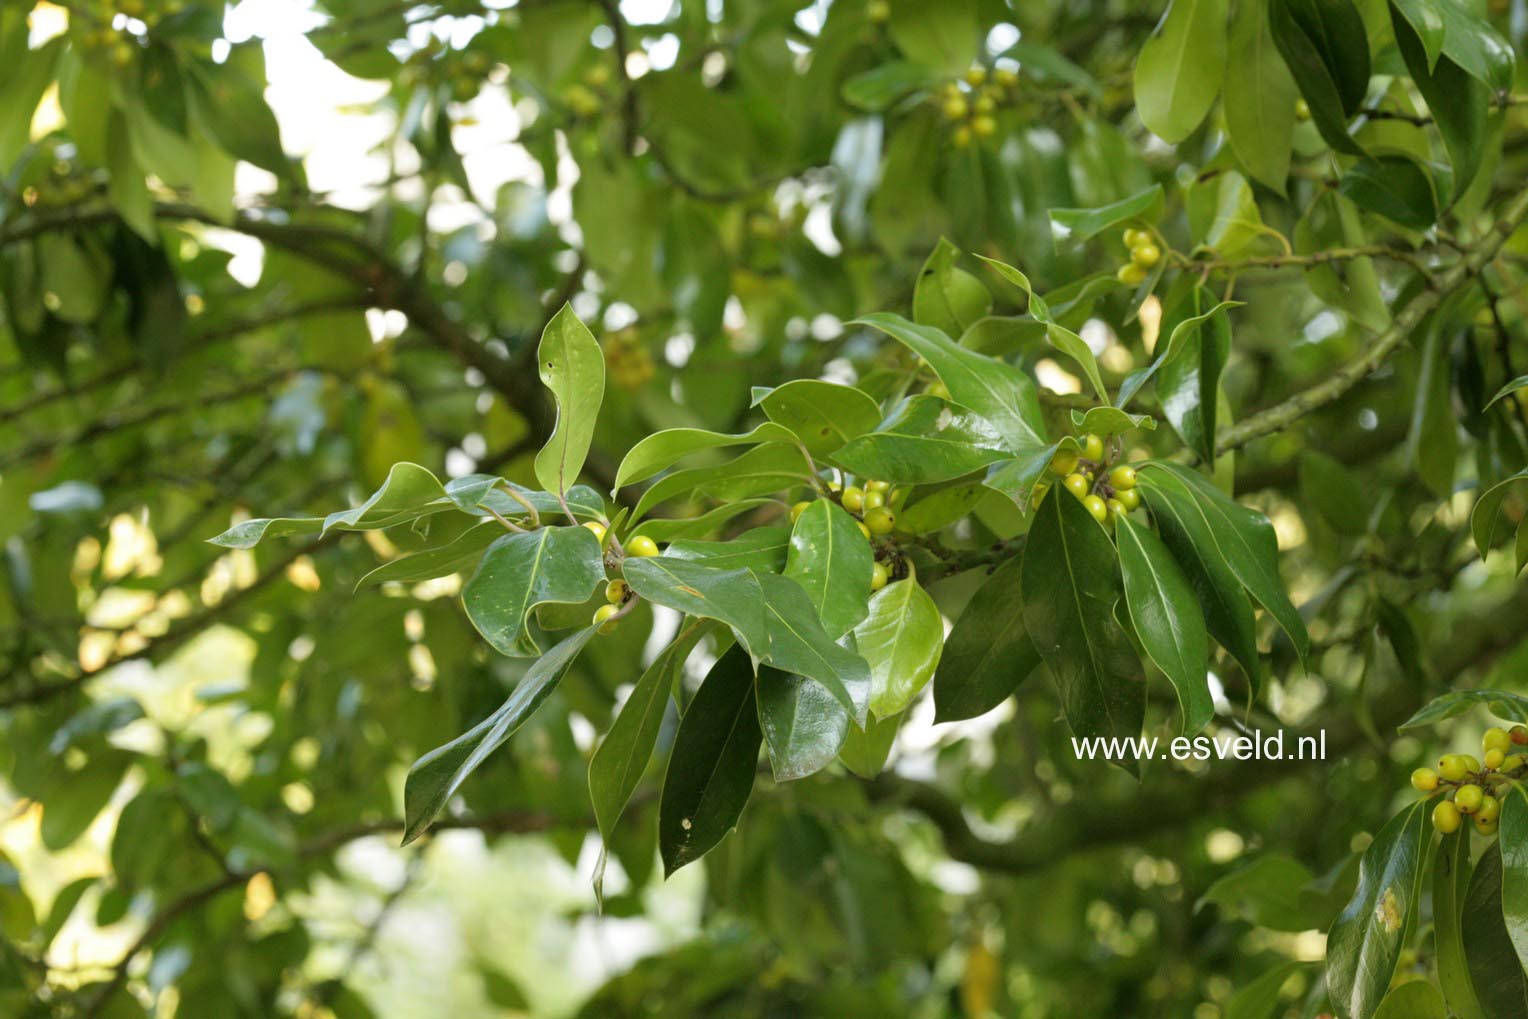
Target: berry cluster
(585, 99)
(971, 110)
(1144, 254)
(119, 45)
(627, 359)
(1106, 488)
(617, 594)
(1472, 787)
(871, 503)
(460, 71)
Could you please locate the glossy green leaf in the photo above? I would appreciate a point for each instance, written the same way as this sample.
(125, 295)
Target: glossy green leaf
(865, 750)
(1496, 973)
(1191, 539)
(1485, 518)
(1451, 881)
(924, 440)
(763, 548)
(882, 86)
(771, 467)
(832, 562)
(1463, 36)
(798, 644)
(995, 390)
(1107, 422)
(823, 415)
(988, 652)
(1259, 999)
(939, 508)
(1519, 383)
(1167, 618)
(901, 639)
(711, 769)
(1514, 867)
(946, 296)
(1244, 538)
(1393, 186)
(1070, 582)
(1018, 477)
(1502, 703)
(1179, 70)
(1364, 945)
(464, 550)
(570, 364)
(522, 571)
(436, 776)
(622, 756)
(1078, 225)
(663, 449)
(1459, 102)
(1188, 383)
(1258, 98)
(701, 526)
(730, 596)
(1325, 47)
(1415, 999)
(804, 725)
(1433, 442)
(942, 36)
(1176, 340)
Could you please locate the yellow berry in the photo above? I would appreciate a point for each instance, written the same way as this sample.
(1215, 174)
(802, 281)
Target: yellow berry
(1471, 765)
(1077, 485)
(1451, 767)
(642, 547)
(1445, 817)
(1468, 798)
(984, 104)
(602, 617)
(1131, 497)
(615, 591)
(596, 528)
(1092, 447)
(1489, 809)
(797, 510)
(878, 11)
(976, 76)
(1134, 238)
(1064, 462)
(938, 389)
(1513, 763)
(880, 520)
(1302, 110)
(1116, 509)
(874, 499)
(877, 486)
(961, 137)
(1486, 828)
(1005, 77)
(1037, 495)
(1496, 739)
(879, 575)
(983, 126)
(853, 499)
(598, 76)
(1130, 274)
(1122, 477)
(1145, 255)
(1424, 780)
(956, 107)
(1097, 507)
(1493, 759)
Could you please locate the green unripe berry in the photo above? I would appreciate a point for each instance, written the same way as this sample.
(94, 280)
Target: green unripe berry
(1122, 477)
(938, 389)
(1145, 255)
(1489, 809)
(1130, 274)
(597, 529)
(1037, 496)
(1005, 77)
(1302, 110)
(878, 12)
(1451, 767)
(1513, 762)
(1468, 798)
(1116, 509)
(1092, 447)
(983, 126)
(1424, 780)
(853, 498)
(1471, 763)
(797, 510)
(597, 76)
(984, 104)
(602, 617)
(879, 575)
(880, 520)
(962, 136)
(1446, 817)
(1131, 497)
(875, 500)
(1493, 759)
(1064, 462)
(1096, 506)
(642, 547)
(976, 76)
(615, 591)
(1496, 739)
(1486, 828)
(1077, 485)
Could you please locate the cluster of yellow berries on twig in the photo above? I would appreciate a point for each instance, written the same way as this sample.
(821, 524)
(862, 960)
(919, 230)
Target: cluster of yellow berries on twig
(627, 359)
(1091, 474)
(1473, 787)
(972, 111)
(870, 503)
(1144, 254)
(617, 594)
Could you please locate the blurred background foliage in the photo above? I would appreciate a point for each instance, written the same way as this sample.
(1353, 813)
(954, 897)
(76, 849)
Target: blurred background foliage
(252, 256)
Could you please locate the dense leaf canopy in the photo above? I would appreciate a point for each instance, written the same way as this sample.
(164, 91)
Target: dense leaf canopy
(579, 508)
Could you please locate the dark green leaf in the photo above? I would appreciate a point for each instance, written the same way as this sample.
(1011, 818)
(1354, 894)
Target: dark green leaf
(763, 548)
(1451, 881)
(1485, 517)
(1459, 103)
(1495, 971)
(1188, 382)
(804, 726)
(1393, 186)
(798, 644)
(522, 571)
(710, 772)
(1167, 618)
(988, 652)
(1325, 47)
(923, 441)
(730, 596)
